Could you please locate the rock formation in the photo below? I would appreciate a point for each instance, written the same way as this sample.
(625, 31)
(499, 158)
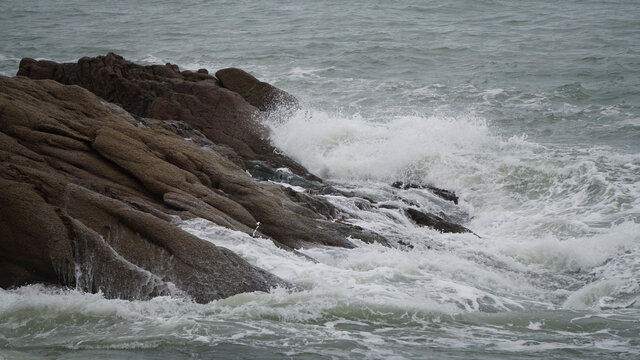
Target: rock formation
(83, 188)
(198, 99)
(265, 97)
(94, 176)
(82, 201)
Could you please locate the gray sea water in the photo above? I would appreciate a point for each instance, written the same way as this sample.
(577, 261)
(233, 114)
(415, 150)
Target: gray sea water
(530, 111)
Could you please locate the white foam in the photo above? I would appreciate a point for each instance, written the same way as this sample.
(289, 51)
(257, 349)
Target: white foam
(535, 325)
(420, 280)
(298, 73)
(343, 148)
(551, 210)
(574, 254)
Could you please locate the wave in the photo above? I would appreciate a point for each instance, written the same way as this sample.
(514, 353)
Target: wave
(381, 149)
(552, 215)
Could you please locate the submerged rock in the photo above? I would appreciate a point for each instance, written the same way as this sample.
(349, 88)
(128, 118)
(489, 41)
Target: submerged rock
(435, 222)
(262, 171)
(441, 193)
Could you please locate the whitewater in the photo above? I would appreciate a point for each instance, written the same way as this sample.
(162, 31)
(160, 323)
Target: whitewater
(529, 112)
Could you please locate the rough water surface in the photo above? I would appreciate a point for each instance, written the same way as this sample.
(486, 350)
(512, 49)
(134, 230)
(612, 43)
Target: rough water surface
(530, 112)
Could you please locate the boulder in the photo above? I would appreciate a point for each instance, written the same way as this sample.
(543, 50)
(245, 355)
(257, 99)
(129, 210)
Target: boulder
(262, 95)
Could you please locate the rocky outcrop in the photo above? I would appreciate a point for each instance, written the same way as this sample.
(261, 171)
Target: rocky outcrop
(88, 195)
(100, 158)
(81, 200)
(217, 118)
(163, 92)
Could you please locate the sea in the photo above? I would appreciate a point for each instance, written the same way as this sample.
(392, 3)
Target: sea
(528, 110)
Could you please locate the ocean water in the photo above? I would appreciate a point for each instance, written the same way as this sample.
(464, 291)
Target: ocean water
(530, 111)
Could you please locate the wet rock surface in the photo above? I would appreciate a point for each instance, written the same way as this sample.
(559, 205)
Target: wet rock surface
(435, 222)
(100, 158)
(81, 194)
(83, 188)
(163, 92)
(265, 97)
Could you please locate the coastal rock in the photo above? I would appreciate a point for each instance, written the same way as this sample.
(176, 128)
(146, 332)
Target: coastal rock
(73, 217)
(89, 193)
(163, 92)
(262, 95)
(435, 222)
(222, 116)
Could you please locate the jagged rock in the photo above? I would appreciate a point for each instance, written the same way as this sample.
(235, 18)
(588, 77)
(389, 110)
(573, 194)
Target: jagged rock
(441, 193)
(265, 97)
(163, 92)
(435, 222)
(81, 186)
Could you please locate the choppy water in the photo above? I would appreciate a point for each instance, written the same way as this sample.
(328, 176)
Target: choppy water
(529, 111)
